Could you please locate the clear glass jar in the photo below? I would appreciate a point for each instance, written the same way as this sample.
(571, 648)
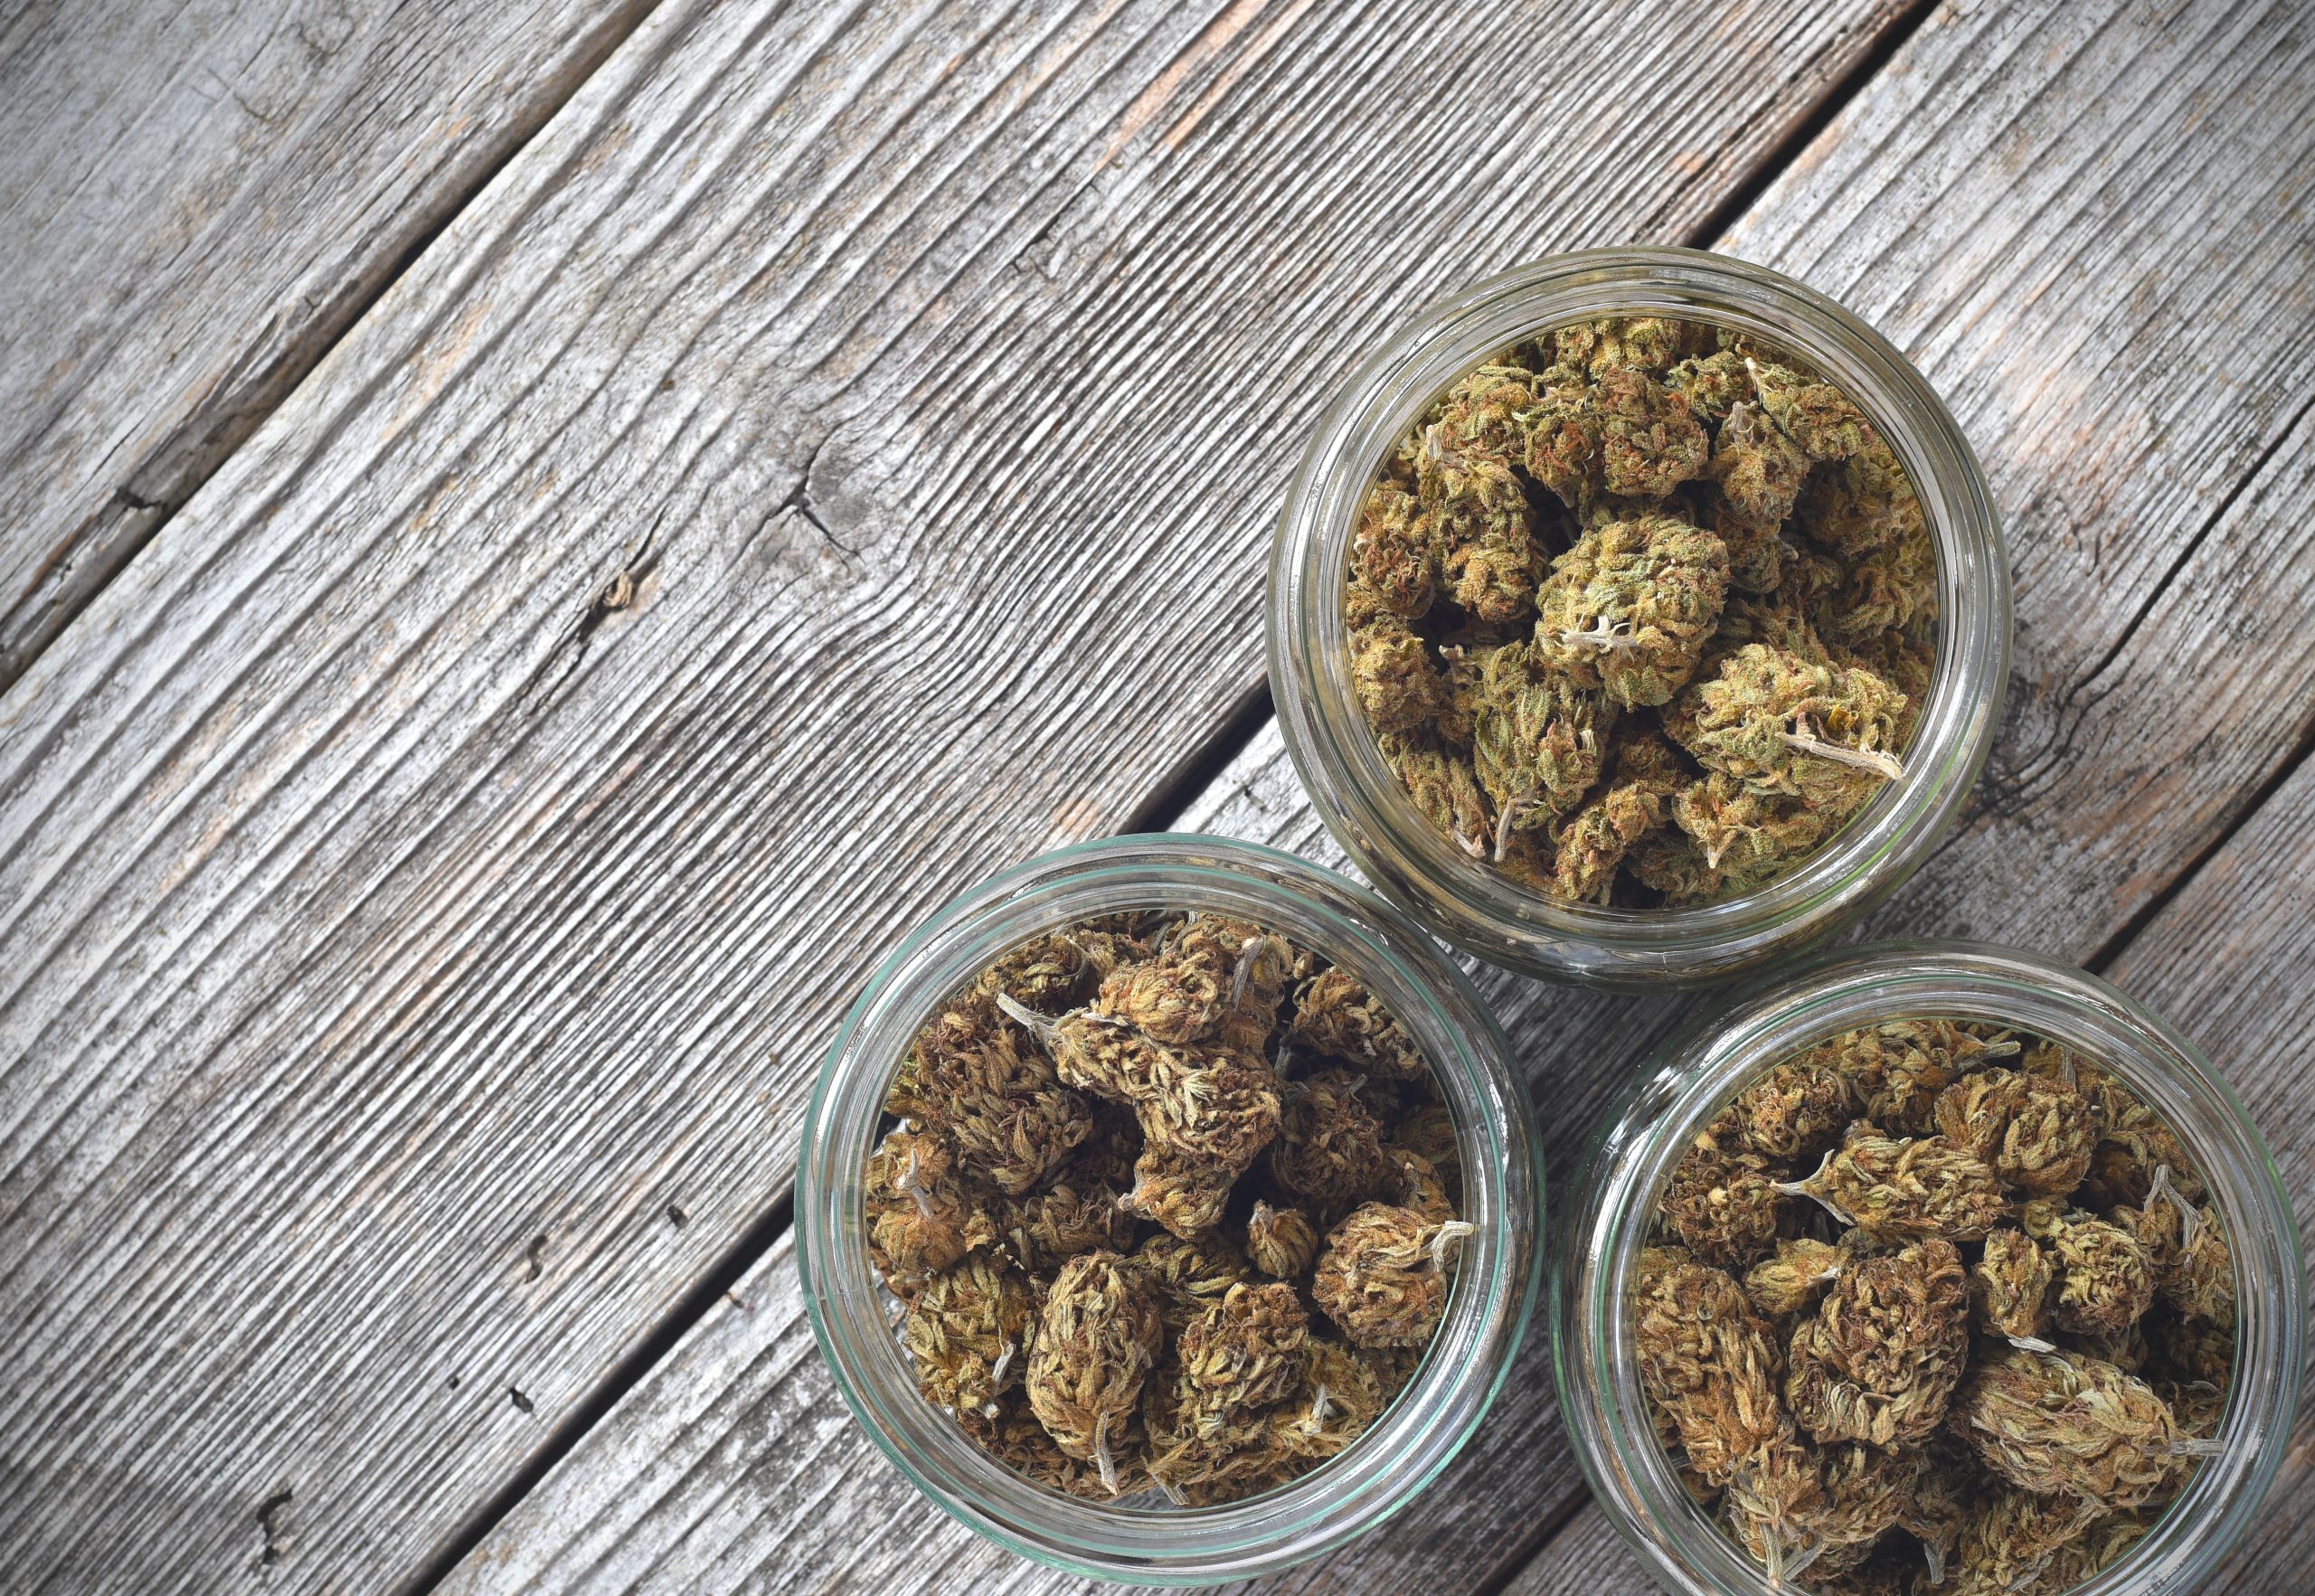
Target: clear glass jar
(1464, 901)
(1496, 1279)
(1643, 1137)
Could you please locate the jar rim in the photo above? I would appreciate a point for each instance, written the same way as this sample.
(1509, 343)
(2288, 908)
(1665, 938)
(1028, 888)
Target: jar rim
(1487, 913)
(1499, 1277)
(1696, 1074)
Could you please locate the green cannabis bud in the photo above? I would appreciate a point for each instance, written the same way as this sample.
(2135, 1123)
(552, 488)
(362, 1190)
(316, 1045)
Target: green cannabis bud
(1393, 554)
(1336, 1015)
(1784, 726)
(1878, 1360)
(1383, 1275)
(1629, 608)
(966, 1334)
(1905, 1189)
(2037, 1134)
(1488, 553)
(1724, 1207)
(2056, 1423)
(1539, 740)
(1281, 1242)
(1648, 442)
(2008, 1287)
(1390, 670)
(1096, 1339)
(1759, 469)
(2012, 1538)
(1444, 788)
(1593, 840)
(1898, 1069)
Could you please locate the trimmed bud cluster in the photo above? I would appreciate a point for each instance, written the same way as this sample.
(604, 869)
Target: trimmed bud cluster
(1169, 1202)
(1933, 1306)
(1640, 612)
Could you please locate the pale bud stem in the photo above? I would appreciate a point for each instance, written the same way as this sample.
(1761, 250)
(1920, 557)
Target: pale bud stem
(1102, 1460)
(1602, 634)
(1883, 765)
(1448, 1234)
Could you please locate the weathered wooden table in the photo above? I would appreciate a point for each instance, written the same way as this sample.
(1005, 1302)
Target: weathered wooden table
(535, 540)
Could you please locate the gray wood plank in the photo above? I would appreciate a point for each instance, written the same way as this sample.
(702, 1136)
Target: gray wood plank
(2227, 960)
(196, 201)
(441, 855)
(2084, 109)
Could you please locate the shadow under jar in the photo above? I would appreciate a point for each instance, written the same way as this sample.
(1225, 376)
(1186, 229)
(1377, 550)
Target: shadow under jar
(1464, 899)
(1497, 1274)
(1642, 1138)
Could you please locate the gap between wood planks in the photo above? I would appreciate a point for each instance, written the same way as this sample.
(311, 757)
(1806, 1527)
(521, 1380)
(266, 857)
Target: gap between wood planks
(1159, 812)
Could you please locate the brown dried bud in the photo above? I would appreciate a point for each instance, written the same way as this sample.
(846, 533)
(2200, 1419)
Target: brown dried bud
(1772, 1502)
(1336, 1016)
(2011, 1538)
(1799, 1109)
(1189, 1274)
(995, 1094)
(1427, 1131)
(1900, 1190)
(2007, 1287)
(1792, 1282)
(2105, 1281)
(1593, 840)
(967, 1335)
(1343, 1390)
(923, 1213)
(1444, 788)
(1016, 1439)
(1898, 1069)
(1281, 1242)
(1709, 1360)
(1878, 1361)
(2037, 1133)
(1330, 1148)
(1096, 1339)
(1384, 1273)
(1724, 1207)
(1649, 443)
(1242, 1352)
(2060, 1425)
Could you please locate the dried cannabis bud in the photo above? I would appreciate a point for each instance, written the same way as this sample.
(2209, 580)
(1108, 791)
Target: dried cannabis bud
(1334, 1014)
(1792, 1282)
(2037, 1133)
(1724, 1207)
(2007, 1289)
(1879, 1359)
(2058, 1424)
(923, 1214)
(1383, 1275)
(1330, 1148)
(997, 1096)
(2105, 1281)
(1710, 1362)
(1095, 1340)
(1902, 1189)
(1281, 1242)
(966, 1334)
(1628, 608)
(1797, 1110)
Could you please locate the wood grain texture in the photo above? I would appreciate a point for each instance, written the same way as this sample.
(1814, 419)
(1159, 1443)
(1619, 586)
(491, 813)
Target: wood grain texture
(833, 460)
(2104, 201)
(2226, 960)
(196, 201)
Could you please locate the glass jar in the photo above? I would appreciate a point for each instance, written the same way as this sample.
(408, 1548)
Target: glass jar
(1643, 1135)
(1497, 1278)
(1463, 899)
